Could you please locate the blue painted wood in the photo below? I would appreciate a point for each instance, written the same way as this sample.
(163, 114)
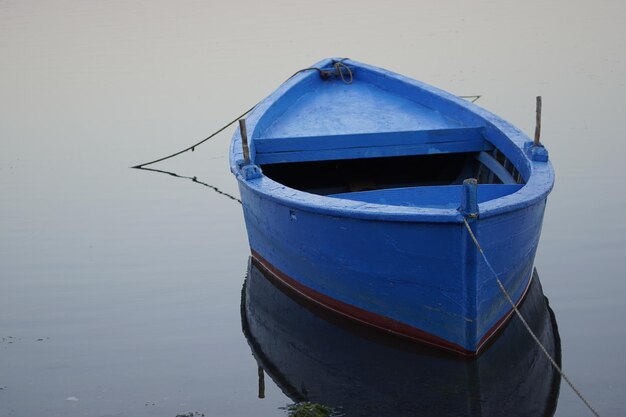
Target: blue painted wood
(413, 272)
(373, 152)
(442, 196)
(469, 198)
(362, 140)
(407, 259)
(334, 108)
(495, 166)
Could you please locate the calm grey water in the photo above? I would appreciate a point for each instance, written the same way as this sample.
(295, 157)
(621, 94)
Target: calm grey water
(120, 289)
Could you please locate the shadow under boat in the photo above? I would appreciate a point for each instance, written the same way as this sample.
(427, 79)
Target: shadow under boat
(315, 355)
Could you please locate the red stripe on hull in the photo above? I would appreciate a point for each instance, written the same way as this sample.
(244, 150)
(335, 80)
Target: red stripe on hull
(378, 321)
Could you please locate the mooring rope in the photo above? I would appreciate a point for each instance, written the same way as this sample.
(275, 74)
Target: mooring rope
(474, 97)
(532, 334)
(338, 72)
(193, 147)
(338, 66)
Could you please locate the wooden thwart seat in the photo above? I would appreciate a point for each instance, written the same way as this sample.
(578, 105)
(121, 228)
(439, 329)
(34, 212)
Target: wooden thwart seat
(445, 196)
(369, 145)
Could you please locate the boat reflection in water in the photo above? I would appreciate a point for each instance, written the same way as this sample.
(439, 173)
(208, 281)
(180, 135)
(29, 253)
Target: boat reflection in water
(318, 356)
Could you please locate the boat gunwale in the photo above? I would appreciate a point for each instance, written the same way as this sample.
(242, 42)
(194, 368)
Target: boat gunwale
(538, 185)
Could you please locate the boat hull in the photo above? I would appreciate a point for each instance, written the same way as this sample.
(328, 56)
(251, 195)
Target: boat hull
(349, 193)
(422, 280)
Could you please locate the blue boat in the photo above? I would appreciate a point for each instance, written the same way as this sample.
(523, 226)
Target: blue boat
(356, 184)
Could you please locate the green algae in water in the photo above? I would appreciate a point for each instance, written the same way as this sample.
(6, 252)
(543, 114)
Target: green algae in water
(308, 409)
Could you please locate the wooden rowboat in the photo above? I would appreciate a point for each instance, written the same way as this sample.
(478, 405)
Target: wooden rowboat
(356, 184)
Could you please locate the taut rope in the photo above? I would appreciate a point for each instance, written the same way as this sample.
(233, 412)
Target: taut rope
(338, 65)
(532, 334)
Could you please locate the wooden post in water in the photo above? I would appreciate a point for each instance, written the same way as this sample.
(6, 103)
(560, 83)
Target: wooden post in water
(538, 122)
(244, 141)
(261, 383)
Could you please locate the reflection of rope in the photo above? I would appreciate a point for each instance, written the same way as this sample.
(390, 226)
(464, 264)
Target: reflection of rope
(194, 179)
(337, 65)
(532, 334)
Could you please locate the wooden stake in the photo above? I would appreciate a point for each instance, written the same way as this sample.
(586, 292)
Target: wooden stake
(538, 122)
(469, 198)
(261, 383)
(244, 141)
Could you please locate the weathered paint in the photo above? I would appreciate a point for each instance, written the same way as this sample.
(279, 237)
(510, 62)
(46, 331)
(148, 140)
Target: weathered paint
(407, 260)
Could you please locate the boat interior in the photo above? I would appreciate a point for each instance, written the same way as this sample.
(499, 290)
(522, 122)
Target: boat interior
(411, 180)
(367, 141)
